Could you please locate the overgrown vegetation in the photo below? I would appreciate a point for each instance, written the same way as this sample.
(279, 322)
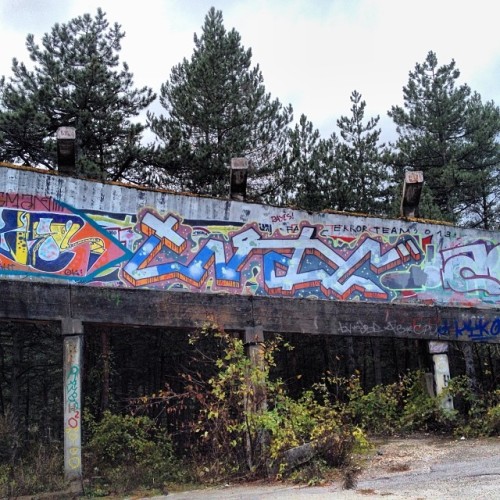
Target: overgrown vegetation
(28, 467)
(125, 453)
(226, 414)
(240, 421)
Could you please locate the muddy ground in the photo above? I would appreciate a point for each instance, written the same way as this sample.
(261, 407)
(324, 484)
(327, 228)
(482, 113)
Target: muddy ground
(412, 468)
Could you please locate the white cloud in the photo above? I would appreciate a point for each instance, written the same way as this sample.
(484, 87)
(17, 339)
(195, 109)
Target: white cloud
(311, 53)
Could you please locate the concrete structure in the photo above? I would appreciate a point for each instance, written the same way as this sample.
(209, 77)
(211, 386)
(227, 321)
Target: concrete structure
(101, 242)
(78, 252)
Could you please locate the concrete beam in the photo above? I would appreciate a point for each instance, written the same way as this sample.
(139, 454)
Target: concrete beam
(27, 301)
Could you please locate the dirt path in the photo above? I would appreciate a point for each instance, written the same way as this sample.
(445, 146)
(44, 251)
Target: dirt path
(423, 468)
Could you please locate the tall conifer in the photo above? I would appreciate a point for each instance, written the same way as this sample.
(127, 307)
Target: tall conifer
(448, 133)
(76, 81)
(217, 108)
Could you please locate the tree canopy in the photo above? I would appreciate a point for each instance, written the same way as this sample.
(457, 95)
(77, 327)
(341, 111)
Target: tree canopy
(446, 131)
(217, 108)
(76, 81)
(343, 173)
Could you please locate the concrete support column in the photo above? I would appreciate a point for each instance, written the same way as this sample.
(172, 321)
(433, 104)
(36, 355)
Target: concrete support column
(66, 150)
(439, 351)
(254, 343)
(256, 400)
(72, 332)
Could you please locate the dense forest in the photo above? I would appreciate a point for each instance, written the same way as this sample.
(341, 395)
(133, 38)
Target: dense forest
(215, 108)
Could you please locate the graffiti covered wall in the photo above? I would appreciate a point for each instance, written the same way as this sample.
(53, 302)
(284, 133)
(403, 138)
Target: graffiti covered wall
(55, 228)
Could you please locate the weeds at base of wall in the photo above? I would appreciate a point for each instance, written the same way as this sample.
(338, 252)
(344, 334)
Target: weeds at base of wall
(239, 420)
(240, 423)
(38, 470)
(477, 413)
(27, 468)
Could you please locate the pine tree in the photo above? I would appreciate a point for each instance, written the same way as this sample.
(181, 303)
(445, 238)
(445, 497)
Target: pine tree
(76, 81)
(217, 109)
(360, 155)
(445, 131)
(343, 173)
(304, 182)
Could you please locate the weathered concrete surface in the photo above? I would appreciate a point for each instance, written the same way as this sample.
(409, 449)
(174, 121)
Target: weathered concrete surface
(73, 248)
(38, 301)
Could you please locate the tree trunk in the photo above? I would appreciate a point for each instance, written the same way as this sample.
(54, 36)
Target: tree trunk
(105, 357)
(377, 368)
(470, 368)
(351, 359)
(15, 387)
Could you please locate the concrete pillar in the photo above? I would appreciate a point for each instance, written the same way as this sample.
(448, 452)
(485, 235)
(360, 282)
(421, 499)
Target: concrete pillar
(256, 401)
(66, 150)
(254, 343)
(412, 189)
(72, 331)
(439, 351)
(239, 171)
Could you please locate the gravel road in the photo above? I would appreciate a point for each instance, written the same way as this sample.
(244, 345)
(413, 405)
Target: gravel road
(417, 468)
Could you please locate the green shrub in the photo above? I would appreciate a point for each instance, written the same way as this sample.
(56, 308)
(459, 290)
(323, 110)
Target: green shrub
(422, 412)
(127, 452)
(478, 413)
(242, 421)
(403, 406)
(492, 421)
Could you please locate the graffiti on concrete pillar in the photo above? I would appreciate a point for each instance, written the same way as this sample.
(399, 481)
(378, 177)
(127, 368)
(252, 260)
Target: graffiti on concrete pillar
(72, 405)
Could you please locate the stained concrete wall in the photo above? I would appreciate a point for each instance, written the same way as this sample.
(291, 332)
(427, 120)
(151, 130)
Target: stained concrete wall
(75, 231)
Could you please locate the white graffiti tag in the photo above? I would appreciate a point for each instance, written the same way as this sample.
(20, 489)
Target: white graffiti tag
(472, 267)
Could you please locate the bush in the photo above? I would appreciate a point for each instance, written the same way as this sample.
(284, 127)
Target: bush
(492, 421)
(420, 411)
(237, 421)
(404, 406)
(478, 412)
(126, 452)
(242, 422)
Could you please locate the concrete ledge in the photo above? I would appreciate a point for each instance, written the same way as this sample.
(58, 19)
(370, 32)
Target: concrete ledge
(37, 301)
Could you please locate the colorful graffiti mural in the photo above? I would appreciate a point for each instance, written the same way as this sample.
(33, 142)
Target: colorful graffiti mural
(60, 243)
(279, 254)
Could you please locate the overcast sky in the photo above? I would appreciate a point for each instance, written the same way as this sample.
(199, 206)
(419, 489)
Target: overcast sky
(312, 53)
